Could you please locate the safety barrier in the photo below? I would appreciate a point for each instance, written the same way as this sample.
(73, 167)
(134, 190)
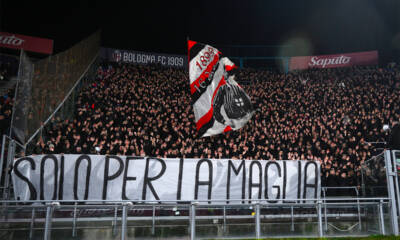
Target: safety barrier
(326, 216)
(171, 219)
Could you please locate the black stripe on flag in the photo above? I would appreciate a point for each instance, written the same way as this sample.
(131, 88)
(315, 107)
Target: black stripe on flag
(199, 91)
(206, 126)
(195, 50)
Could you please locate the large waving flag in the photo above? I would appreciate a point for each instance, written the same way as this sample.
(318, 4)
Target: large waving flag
(219, 103)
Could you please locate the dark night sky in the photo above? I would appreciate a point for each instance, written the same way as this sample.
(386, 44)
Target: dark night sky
(308, 26)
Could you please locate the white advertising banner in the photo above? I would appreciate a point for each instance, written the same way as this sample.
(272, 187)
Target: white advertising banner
(97, 177)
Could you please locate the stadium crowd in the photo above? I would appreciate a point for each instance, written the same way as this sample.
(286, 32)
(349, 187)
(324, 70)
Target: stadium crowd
(8, 69)
(327, 115)
(6, 101)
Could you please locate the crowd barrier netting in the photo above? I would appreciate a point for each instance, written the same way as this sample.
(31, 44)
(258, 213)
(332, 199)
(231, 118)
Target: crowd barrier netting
(10, 150)
(373, 177)
(56, 75)
(65, 111)
(23, 99)
(56, 84)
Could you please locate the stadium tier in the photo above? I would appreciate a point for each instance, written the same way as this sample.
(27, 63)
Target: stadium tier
(334, 117)
(123, 137)
(200, 120)
(325, 115)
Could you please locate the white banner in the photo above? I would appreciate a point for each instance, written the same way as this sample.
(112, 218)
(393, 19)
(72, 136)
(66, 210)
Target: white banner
(96, 177)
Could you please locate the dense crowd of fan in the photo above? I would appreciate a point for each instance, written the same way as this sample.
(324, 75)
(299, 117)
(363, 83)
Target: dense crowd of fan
(6, 101)
(8, 69)
(5, 71)
(326, 115)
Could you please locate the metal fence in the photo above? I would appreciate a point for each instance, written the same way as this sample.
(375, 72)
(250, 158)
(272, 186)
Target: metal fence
(373, 177)
(66, 109)
(104, 219)
(326, 216)
(199, 220)
(10, 149)
(56, 75)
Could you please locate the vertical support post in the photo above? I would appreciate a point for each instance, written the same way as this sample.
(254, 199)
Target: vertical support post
(123, 224)
(153, 230)
(193, 221)
(10, 158)
(319, 208)
(326, 218)
(32, 224)
(393, 190)
(114, 222)
(3, 143)
(359, 214)
(325, 211)
(258, 220)
(381, 219)
(292, 217)
(224, 219)
(396, 181)
(74, 222)
(47, 227)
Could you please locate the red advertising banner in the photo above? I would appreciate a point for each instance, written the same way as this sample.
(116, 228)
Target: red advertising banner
(33, 44)
(334, 61)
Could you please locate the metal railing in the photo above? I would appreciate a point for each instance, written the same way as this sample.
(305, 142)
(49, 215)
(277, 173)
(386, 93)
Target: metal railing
(322, 216)
(5, 163)
(199, 214)
(325, 189)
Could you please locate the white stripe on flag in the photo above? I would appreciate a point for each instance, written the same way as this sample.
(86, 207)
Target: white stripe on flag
(194, 70)
(204, 103)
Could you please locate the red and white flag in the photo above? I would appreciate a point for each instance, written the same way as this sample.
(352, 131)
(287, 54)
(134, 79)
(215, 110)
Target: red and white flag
(219, 103)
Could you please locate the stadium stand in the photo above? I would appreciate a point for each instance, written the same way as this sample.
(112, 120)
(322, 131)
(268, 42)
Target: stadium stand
(8, 72)
(326, 115)
(6, 102)
(8, 67)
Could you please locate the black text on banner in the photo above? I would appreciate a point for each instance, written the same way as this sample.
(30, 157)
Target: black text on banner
(96, 177)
